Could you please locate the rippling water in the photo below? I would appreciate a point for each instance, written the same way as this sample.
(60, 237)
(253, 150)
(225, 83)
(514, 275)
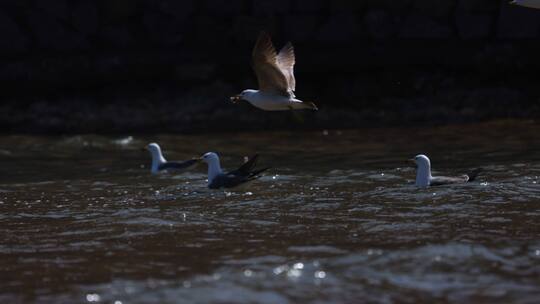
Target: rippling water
(335, 220)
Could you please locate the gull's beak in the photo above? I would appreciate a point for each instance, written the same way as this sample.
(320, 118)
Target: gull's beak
(235, 98)
(411, 160)
(200, 159)
(512, 2)
(145, 148)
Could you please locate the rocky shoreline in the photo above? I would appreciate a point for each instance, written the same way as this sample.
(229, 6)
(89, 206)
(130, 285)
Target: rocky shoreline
(121, 66)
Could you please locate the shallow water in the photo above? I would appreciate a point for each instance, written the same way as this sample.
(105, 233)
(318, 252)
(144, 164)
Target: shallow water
(336, 219)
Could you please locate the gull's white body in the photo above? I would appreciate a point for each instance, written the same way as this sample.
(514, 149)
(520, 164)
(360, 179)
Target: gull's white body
(423, 171)
(157, 157)
(273, 102)
(214, 167)
(527, 3)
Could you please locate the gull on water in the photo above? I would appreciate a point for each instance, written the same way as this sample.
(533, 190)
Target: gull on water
(160, 164)
(275, 75)
(527, 3)
(424, 178)
(218, 179)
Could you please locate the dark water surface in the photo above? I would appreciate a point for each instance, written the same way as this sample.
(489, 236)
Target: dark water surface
(335, 220)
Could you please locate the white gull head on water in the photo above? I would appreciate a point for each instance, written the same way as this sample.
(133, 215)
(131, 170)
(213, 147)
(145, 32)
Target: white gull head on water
(423, 171)
(214, 167)
(157, 156)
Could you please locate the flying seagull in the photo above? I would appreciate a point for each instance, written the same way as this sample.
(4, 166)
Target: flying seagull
(160, 164)
(275, 76)
(424, 178)
(527, 3)
(218, 179)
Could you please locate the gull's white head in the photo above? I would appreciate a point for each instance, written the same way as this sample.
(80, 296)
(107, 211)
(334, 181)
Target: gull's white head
(214, 168)
(423, 170)
(210, 158)
(157, 157)
(247, 95)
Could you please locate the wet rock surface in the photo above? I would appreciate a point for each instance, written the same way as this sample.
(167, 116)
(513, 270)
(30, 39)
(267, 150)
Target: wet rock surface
(64, 62)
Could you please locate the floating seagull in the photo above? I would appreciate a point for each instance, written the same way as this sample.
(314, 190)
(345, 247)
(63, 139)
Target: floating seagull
(424, 178)
(217, 179)
(527, 3)
(160, 164)
(275, 76)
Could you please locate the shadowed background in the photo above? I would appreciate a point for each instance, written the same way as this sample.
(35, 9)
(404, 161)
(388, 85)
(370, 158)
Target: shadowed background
(137, 65)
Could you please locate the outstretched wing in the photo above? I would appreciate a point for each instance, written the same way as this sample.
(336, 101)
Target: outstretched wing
(265, 64)
(286, 61)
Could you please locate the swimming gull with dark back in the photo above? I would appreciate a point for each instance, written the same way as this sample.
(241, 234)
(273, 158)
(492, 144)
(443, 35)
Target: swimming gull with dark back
(424, 178)
(218, 179)
(159, 163)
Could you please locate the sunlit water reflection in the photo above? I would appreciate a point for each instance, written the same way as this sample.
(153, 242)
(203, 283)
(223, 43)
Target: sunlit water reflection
(335, 220)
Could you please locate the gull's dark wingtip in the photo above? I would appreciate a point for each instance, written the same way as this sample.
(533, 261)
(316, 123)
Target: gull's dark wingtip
(249, 164)
(257, 173)
(474, 174)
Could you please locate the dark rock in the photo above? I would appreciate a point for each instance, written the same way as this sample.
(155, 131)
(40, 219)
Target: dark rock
(518, 22)
(120, 9)
(178, 9)
(388, 4)
(13, 39)
(432, 8)
(210, 29)
(300, 28)
(225, 6)
(118, 35)
(163, 29)
(193, 71)
(423, 27)
(346, 5)
(339, 28)
(269, 7)
(51, 34)
(84, 17)
(379, 24)
(479, 6)
(473, 26)
(17, 4)
(55, 8)
(496, 57)
(309, 6)
(247, 28)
